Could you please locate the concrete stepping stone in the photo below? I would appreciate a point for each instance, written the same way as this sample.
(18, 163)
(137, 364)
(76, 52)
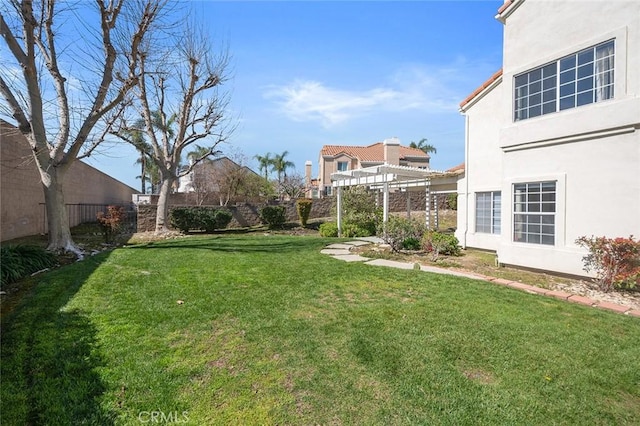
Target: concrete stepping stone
(339, 246)
(358, 243)
(335, 252)
(352, 258)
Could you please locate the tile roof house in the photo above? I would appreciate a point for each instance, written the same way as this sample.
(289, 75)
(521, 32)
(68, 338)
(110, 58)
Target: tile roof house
(552, 151)
(334, 158)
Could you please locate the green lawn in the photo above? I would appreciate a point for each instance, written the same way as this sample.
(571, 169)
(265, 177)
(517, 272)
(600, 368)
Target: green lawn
(272, 332)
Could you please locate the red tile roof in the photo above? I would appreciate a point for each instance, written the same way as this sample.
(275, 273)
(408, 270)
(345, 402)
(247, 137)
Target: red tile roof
(458, 168)
(505, 6)
(371, 153)
(486, 84)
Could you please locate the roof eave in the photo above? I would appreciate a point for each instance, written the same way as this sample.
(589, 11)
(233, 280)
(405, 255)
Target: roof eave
(507, 9)
(481, 94)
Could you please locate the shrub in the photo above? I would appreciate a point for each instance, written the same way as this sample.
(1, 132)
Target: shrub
(111, 222)
(359, 212)
(350, 230)
(19, 261)
(303, 207)
(615, 261)
(273, 216)
(329, 229)
(452, 201)
(397, 230)
(439, 243)
(411, 243)
(199, 218)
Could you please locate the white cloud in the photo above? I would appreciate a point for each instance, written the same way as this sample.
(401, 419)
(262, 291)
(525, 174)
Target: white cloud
(409, 88)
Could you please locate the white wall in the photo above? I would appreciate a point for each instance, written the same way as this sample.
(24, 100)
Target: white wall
(592, 151)
(483, 165)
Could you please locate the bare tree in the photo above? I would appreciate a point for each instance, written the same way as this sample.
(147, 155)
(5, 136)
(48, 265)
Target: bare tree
(58, 88)
(180, 85)
(292, 186)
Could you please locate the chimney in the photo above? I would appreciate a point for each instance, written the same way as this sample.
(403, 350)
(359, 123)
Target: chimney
(307, 172)
(392, 151)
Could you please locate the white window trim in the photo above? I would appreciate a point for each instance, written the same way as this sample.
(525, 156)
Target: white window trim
(560, 214)
(475, 212)
(620, 70)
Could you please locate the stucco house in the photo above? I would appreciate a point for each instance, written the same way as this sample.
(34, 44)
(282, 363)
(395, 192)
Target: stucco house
(553, 139)
(342, 158)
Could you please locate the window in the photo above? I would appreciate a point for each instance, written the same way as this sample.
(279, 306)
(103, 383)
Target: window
(575, 80)
(534, 207)
(488, 208)
(342, 166)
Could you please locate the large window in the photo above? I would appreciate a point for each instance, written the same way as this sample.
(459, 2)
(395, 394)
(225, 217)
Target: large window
(488, 207)
(342, 166)
(579, 79)
(534, 208)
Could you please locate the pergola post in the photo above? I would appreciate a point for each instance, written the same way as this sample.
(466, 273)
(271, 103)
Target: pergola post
(408, 204)
(427, 191)
(339, 209)
(436, 222)
(385, 203)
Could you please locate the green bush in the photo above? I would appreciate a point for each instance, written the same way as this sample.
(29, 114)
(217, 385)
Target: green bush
(439, 243)
(359, 212)
(329, 229)
(411, 243)
(19, 261)
(303, 207)
(452, 201)
(199, 218)
(273, 216)
(351, 230)
(397, 230)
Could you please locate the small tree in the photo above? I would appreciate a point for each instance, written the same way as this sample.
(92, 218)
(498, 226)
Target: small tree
(291, 187)
(111, 222)
(360, 210)
(303, 207)
(615, 261)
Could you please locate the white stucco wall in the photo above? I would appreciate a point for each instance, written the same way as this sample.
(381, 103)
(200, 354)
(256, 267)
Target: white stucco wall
(592, 151)
(483, 165)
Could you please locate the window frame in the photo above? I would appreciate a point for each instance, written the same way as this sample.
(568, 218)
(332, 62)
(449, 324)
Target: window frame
(546, 89)
(494, 210)
(535, 214)
(346, 166)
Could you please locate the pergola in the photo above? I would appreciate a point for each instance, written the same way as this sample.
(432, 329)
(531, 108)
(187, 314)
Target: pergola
(387, 178)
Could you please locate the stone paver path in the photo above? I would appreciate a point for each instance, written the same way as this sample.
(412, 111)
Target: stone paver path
(342, 251)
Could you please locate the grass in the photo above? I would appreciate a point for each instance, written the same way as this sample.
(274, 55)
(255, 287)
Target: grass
(247, 329)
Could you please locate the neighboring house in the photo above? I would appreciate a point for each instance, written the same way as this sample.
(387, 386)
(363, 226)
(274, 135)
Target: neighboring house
(553, 139)
(340, 158)
(86, 189)
(220, 181)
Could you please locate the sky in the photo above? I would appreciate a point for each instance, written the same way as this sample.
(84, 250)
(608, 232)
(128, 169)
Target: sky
(306, 74)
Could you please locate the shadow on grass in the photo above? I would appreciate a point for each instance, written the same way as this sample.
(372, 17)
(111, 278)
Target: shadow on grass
(50, 355)
(266, 244)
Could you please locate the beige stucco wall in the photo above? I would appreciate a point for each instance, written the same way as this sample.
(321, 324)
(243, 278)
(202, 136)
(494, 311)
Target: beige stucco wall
(592, 152)
(22, 198)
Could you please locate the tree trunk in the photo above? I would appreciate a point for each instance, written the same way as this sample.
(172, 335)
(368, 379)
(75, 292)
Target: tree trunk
(162, 216)
(57, 217)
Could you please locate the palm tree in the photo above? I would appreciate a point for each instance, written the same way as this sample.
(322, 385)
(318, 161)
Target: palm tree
(264, 162)
(280, 165)
(423, 146)
(201, 153)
